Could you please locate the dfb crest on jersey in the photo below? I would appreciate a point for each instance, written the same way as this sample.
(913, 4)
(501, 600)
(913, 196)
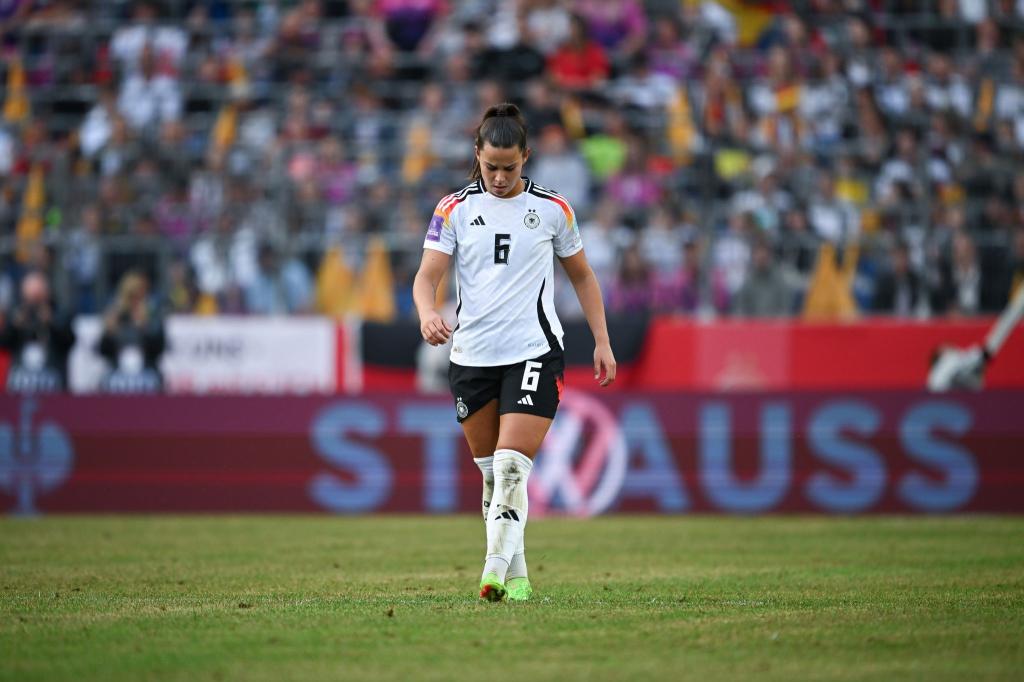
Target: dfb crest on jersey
(531, 220)
(461, 409)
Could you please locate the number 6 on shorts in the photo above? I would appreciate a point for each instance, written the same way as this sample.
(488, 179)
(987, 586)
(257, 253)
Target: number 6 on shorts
(531, 376)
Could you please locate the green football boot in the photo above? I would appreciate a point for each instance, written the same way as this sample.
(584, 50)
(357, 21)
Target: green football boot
(519, 589)
(491, 588)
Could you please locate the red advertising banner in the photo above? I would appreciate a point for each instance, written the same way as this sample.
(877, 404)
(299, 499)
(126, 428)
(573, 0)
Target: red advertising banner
(872, 354)
(843, 453)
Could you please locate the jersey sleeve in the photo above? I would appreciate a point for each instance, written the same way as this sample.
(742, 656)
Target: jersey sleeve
(441, 231)
(567, 232)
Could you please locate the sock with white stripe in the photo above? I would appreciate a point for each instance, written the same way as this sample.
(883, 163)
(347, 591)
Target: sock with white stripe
(508, 512)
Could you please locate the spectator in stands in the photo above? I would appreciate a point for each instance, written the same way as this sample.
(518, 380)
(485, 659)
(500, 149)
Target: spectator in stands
(683, 290)
(166, 44)
(643, 90)
(669, 52)
(636, 188)
(619, 26)
(546, 25)
(580, 64)
(224, 261)
(279, 288)
(297, 41)
(98, 126)
(824, 103)
(182, 294)
(765, 292)
(960, 284)
(82, 259)
(411, 25)
(560, 168)
(514, 63)
(606, 237)
(946, 90)
(38, 337)
(335, 174)
(173, 212)
(891, 90)
(730, 254)
(605, 150)
(149, 98)
(766, 201)
(541, 106)
(799, 245)
(133, 339)
(661, 239)
(120, 150)
(899, 291)
(834, 220)
(632, 290)
(720, 108)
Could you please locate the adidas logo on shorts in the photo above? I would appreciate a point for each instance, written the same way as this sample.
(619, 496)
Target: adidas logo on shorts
(479, 221)
(526, 400)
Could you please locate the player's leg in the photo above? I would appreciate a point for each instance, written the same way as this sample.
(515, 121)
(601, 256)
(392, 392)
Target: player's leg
(476, 391)
(481, 431)
(529, 398)
(519, 439)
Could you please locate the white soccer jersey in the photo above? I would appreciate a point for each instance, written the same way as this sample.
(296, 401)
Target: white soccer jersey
(504, 270)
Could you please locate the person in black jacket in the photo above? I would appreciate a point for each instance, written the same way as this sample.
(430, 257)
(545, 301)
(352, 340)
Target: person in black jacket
(133, 339)
(38, 337)
(898, 290)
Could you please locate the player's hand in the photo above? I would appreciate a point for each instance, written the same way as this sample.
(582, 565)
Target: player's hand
(435, 329)
(604, 364)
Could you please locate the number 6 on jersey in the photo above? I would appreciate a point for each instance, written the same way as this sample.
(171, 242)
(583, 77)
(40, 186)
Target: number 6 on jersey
(502, 242)
(531, 376)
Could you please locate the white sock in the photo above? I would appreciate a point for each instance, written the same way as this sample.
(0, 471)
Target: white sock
(517, 567)
(486, 466)
(508, 510)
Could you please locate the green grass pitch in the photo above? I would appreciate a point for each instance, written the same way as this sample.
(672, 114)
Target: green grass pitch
(393, 598)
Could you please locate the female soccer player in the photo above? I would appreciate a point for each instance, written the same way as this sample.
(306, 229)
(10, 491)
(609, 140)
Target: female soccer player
(506, 370)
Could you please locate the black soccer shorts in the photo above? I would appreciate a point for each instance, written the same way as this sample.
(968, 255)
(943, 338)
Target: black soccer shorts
(530, 387)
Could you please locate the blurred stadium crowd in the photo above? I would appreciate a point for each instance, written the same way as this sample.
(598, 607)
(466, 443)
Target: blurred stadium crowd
(824, 158)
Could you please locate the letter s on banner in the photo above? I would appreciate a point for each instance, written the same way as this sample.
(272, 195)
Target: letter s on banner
(372, 472)
(956, 462)
(866, 473)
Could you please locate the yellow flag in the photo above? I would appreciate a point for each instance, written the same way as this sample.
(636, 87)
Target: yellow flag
(418, 157)
(986, 101)
(30, 223)
(376, 284)
(16, 104)
(681, 131)
(334, 284)
(830, 292)
(226, 127)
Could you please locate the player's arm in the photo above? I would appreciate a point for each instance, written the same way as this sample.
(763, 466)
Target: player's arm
(588, 291)
(433, 327)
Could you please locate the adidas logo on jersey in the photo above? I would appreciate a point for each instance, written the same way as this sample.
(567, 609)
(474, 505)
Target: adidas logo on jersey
(526, 400)
(479, 221)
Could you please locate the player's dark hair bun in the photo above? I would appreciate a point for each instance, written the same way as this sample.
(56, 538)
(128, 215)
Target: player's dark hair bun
(505, 109)
(503, 126)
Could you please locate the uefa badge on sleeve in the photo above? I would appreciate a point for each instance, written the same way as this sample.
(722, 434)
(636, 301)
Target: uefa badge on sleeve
(531, 220)
(461, 409)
